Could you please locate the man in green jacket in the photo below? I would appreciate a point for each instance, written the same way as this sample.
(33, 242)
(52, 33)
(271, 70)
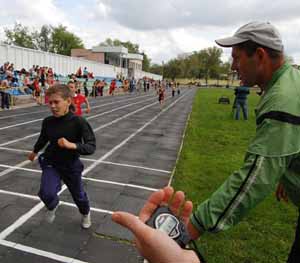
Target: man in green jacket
(273, 157)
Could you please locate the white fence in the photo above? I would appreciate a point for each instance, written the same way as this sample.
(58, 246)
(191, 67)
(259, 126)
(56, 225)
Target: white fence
(64, 65)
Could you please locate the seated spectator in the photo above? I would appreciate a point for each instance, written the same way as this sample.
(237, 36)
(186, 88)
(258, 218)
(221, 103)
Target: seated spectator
(85, 73)
(27, 82)
(79, 73)
(50, 72)
(4, 67)
(23, 71)
(90, 75)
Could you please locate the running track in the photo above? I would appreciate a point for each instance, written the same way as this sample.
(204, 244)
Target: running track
(137, 148)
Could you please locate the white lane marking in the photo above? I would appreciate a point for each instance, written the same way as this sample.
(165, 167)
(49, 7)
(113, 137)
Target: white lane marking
(19, 124)
(39, 206)
(123, 117)
(12, 168)
(92, 103)
(21, 220)
(132, 135)
(33, 197)
(22, 114)
(40, 252)
(118, 108)
(128, 165)
(14, 150)
(36, 198)
(86, 178)
(120, 184)
(36, 120)
(93, 160)
(20, 139)
(95, 130)
(98, 210)
(180, 149)
(114, 102)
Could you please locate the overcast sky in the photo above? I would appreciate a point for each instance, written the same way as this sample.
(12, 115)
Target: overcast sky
(162, 28)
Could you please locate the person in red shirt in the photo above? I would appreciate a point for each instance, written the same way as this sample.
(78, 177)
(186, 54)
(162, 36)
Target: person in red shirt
(112, 87)
(37, 91)
(78, 100)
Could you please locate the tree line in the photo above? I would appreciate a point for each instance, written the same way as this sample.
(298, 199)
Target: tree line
(203, 64)
(60, 41)
(49, 38)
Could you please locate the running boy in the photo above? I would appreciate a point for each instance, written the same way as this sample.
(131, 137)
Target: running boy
(68, 136)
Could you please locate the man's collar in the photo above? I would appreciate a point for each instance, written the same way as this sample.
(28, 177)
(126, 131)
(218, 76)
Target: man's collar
(277, 74)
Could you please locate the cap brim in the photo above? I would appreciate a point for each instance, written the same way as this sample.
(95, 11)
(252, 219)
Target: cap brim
(230, 41)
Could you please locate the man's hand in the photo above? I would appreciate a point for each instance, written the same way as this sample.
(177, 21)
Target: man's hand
(155, 245)
(64, 143)
(281, 193)
(88, 110)
(32, 156)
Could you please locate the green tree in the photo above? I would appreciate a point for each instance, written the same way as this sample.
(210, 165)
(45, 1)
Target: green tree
(205, 63)
(132, 48)
(156, 69)
(44, 38)
(146, 62)
(63, 41)
(172, 69)
(53, 39)
(211, 61)
(20, 36)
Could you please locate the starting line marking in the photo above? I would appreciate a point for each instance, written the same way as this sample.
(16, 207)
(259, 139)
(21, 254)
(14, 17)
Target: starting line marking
(40, 252)
(36, 198)
(94, 160)
(83, 178)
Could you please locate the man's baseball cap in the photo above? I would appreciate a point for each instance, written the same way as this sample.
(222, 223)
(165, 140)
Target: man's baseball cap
(262, 33)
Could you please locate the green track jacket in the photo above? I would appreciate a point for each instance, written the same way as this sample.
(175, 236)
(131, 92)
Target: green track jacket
(273, 156)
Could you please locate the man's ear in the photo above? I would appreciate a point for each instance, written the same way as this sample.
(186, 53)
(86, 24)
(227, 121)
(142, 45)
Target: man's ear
(261, 53)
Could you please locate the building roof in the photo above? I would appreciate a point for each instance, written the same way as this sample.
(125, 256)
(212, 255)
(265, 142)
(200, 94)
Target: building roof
(110, 49)
(133, 56)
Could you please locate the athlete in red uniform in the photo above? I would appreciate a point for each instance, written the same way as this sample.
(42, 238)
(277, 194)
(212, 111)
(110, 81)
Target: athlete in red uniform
(78, 100)
(112, 87)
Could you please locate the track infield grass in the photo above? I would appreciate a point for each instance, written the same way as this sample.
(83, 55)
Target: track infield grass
(214, 147)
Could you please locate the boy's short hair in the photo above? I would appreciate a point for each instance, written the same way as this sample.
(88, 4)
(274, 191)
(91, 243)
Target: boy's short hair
(61, 89)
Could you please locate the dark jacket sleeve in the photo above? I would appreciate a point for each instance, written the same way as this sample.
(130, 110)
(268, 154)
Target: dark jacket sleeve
(89, 140)
(42, 140)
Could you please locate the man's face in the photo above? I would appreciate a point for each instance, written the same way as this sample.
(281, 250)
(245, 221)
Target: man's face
(58, 105)
(245, 65)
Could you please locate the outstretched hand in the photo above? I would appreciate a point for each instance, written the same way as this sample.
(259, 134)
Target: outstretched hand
(155, 245)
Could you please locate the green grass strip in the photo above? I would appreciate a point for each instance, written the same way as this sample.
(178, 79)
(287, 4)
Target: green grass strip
(214, 146)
